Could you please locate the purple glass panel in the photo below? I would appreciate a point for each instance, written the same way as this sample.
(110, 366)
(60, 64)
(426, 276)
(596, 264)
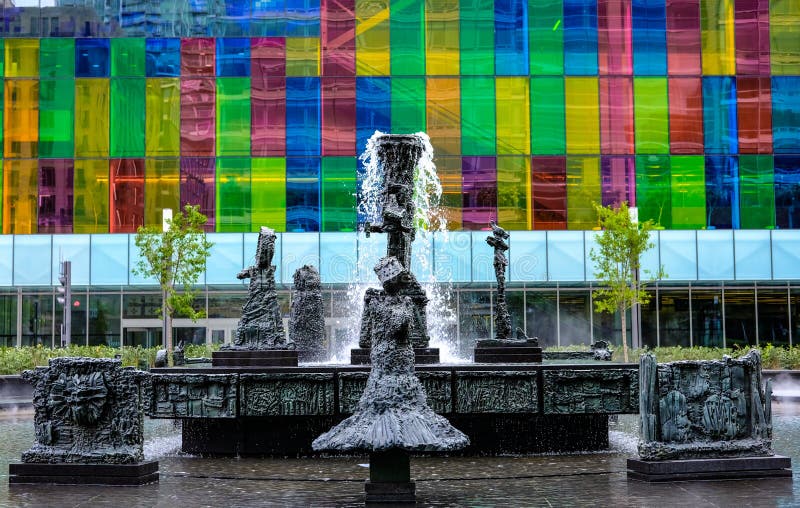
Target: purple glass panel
(549, 192)
(752, 37)
(55, 195)
(479, 190)
(614, 37)
(198, 113)
(126, 203)
(618, 175)
(268, 97)
(338, 31)
(616, 115)
(683, 37)
(339, 116)
(197, 57)
(197, 186)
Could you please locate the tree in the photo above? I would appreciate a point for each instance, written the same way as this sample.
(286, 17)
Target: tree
(175, 257)
(617, 263)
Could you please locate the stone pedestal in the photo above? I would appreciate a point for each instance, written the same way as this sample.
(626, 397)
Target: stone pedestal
(140, 473)
(422, 356)
(776, 466)
(493, 351)
(255, 358)
(390, 478)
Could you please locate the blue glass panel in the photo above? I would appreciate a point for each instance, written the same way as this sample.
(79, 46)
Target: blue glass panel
(527, 256)
(722, 192)
(302, 116)
(785, 255)
(268, 18)
(298, 249)
(136, 255)
(302, 194)
(109, 260)
(786, 114)
(422, 257)
(453, 256)
(32, 260)
(370, 251)
(715, 255)
(162, 57)
(226, 258)
(651, 258)
(511, 37)
(6, 260)
(75, 249)
(565, 256)
(373, 109)
(751, 249)
(590, 238)
(580, 37)
(231, 18)
(649, 37)
(338, 257)
(787, 190)
(482, 258)
(132, 18)
(302, 18)
(719, 114)
(233, 57)
(679, 254)
(91, 58)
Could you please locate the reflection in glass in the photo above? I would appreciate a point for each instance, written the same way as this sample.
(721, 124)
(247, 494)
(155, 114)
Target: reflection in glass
(55, 196)
(475, 319)
(574, 310)
(773, 316)
(674, 317)
(707, 317)
(37, 320)
(104, 320)
(541, 311)
(740, 319)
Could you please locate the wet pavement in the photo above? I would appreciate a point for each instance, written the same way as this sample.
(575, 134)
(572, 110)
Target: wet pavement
(592, 479)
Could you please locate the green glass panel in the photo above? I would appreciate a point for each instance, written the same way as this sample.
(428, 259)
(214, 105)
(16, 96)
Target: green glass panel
(407, 36)
(756, 191)
(268, 197)
(2, 57)
(688, 182)
(654, 190)
(651, 115)
(477, 37)
(513, 192)
(478, 116)
(161, 189)
(163, 120)
(56, 122)
(408, 105)
(57, 58)
(90, 211)
(127, 57)
(233, 116)
(546, 36)
(548, 128)
(338, 194)
(784, 32)
(583, 190)
(233, 195)
(127, 117)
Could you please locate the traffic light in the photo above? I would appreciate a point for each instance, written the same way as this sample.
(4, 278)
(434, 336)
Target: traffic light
(65, 299)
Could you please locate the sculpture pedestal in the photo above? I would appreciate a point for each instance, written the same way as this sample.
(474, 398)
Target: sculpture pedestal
(776, 466)
(390, 478)
(254, 358)
(507, 351)
(141, 473)
(422, 356)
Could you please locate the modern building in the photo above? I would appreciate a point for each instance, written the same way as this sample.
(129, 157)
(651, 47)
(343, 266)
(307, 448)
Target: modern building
(257, 111)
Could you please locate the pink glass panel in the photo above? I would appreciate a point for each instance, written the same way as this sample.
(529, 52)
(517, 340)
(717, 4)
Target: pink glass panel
(197, 186)
(614, 38)
(55, 195)
(197, 57)
(198, 113)
(126, 200)
(339, 116)
(618, 176)
(549, 192)
(268, 97)
(752, 37)
(686, 116)
(616, 115)
(338, 30)
(683, 37)
(754, 104)
(479, 191)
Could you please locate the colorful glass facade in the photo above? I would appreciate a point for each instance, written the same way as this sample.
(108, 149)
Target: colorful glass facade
(256, 111)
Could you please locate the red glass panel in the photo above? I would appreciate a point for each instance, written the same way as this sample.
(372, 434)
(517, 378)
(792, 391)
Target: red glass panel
(338, 116)
(126, 199)
(268, 97)
(752, 37)
(55, 195)
(197, 186)
(683, 37)
(686, 115)
(614, 37)
(549, 192)
(338, 30)
(198, 112)
(479, 191)
(197, 57)
(616, 115)
(618, 176)
(754, 104)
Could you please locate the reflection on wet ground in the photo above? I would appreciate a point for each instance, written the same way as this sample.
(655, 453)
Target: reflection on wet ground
(595, 479)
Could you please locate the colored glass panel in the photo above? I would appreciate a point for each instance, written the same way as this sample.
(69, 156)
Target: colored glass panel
(752, 37)
(233, 195)
(756, 192)
(785, 114)
(269, 18)
(549, 192)
(754, 108)
(479, 187)
(407, 35)
(126, 200)
(21, 58)
(615, 37)
(654, 189)
(651, 115)
(787, 188)
(722, 192)
(444, 115)
(338, 37)
(302, 116)
(514, 192)
(649, 21)
(198, 187)
(268, 192)
(511, 37)
(127, 117)
(685, 115)
(408, 105)
(616, 115)
(583, 191)
(21, 118)
(717, 33)
(683, 37)
(618, 177)
(91, 196)
(198, 117)
(162, 58)
(784, 32)
(268, 97)
(719, 115)
(372, 37)
(688, 194)
(373, 109)
(513, 118)
(442, 28)
(338, 116)
(548, 127)
(20, 193)
(57, 58)
(478, 118)
(582, 115)
(338, 194)
(449, 171)
(56, 123)
(198, 57)
(127, 57)
(163, 120)
(233, 57)
(546, 37)
(161, 189)
(580, 37)
(233, 116)
(302, 18)
(92, 100)
(92, 58)
(476, 37)
(55, 195)
(302, 194)
(302, 56)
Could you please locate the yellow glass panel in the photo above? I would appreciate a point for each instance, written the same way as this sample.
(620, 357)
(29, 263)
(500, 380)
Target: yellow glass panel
(21, 118)
(91, 117)
(449, 171)
(583, 189)
(717, 23)
(302, 56)
(90, 213)
(22, 58)
(444, 115)
(513, 115)
(163, 119)
(20, 196)
(582, 115)
(514, 192)
(161, 189)
(784, 34)
(372, 37)
(442, 54)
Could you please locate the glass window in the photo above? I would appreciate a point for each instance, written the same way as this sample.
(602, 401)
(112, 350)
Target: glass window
(565, 256)
(574, 310)
(56, 119)
(649, 20)
(20, 193)
(740, 317)
(338, 194)
(126, 204)
(76, 250)
(616, 115)
(104, 320)
(226, 305)
(198, 187)
(92, 99)
(749, 249)
(475, 319)
(707, 317)
(583, 191)
(685, 115)
(679, 254)
(452, 256)
(479, 186)
(225, 259)
(715, 255)
(163, 119)
(541, 316)
(513, 192)
(649, 322)
(674, 317)
(298, 249)
(109, 260)
(477, 37)
(756, 192)
(303, 194)
(683, 37)
(408, 104)
(773, 316)
(198, 117)
(21, 128)
(37, 320)
(142, 306)
(233, 206)
(787, 186)
(32, 260)
(478, 120)
(8, 320)
(338, 259)
(302, 116)
(580, 37)
(372, 37)
(162, 57)
(339, 116)
(549, 192)
(92, 58)
(719, 114)
(527, 256)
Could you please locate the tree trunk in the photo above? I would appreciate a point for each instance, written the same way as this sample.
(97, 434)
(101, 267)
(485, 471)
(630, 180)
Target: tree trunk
(624, 333)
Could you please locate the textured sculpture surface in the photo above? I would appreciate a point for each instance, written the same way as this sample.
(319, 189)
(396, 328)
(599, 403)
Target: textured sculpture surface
(704, 409)
(307, 320)
(502, 320)
(193, 396)
(87, 411)
(595, 391)
(496, 392)
(286, 394)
